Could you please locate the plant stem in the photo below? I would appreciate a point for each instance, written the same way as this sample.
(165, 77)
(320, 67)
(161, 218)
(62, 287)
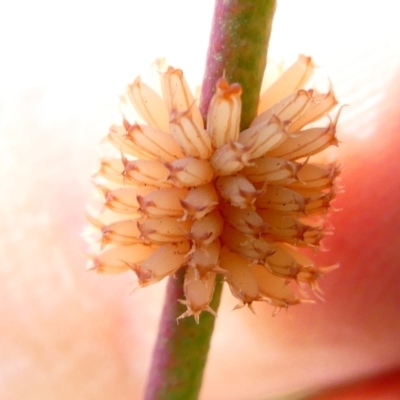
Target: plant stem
(181, 349)
(238, 49)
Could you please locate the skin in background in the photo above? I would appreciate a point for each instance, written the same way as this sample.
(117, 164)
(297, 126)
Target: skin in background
(70, 334)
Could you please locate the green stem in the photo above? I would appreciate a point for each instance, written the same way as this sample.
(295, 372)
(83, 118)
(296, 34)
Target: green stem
(181, 349)
(238, 49)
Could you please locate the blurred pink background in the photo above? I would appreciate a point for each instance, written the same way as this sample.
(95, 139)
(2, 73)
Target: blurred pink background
(70, 334)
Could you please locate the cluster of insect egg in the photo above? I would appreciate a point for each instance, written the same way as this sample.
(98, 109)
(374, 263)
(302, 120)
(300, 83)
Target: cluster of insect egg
(206, 197)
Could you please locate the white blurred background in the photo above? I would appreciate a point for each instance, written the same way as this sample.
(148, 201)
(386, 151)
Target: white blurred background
(67, 334)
